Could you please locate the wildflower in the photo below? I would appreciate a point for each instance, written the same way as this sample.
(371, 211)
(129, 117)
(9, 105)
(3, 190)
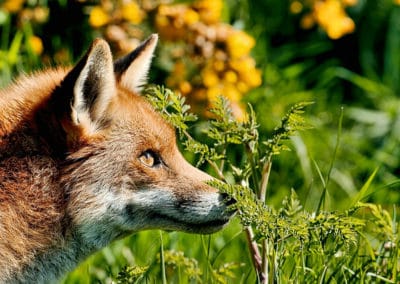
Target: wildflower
(242, 87)
(210, 78)
(36, 44)
(40, 14)
(230, 76)
(295, 7)
(185, 87)
(239, 43)
(13, 6)
(219, 52)
(331, 16)
(132, 12)
(307, 21)
(214, 92)
(231, 92)
(219, 65)
(209, 11)
(190, 17)
(243, 64)
(98, 17)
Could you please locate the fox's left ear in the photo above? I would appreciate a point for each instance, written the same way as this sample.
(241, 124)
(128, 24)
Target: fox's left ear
(87, 90)
(131, 70)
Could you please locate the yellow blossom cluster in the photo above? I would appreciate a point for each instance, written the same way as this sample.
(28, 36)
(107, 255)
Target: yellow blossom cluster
(330, 15)
(202, 56)
(118, 20)
(24, 13)
(214, 59)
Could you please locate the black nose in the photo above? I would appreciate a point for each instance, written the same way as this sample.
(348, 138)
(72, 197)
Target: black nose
(228, 199)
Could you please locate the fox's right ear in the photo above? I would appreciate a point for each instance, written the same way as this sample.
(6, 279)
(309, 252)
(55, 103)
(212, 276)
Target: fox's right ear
(87, 90)
(131, 70)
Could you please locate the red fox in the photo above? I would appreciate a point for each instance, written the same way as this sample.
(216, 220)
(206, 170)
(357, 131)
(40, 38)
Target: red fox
(85, 160)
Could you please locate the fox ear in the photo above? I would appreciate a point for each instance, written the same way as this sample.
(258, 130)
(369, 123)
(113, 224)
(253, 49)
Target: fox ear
(92, 85)
(131, 70)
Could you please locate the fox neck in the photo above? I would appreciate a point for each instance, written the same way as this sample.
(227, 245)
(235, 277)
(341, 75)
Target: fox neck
(77, 245)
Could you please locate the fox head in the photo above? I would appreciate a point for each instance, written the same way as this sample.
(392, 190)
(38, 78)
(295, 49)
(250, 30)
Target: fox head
(124, 172)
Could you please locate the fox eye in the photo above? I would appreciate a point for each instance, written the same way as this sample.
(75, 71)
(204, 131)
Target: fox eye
(150, 159)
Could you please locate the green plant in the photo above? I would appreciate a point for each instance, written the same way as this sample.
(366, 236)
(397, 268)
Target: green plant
(287, 243)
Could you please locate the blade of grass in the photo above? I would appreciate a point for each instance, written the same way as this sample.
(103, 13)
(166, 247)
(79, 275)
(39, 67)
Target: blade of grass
(394, 184)
(162, 260)
(207, 249)
(338, 137)
(362, 193)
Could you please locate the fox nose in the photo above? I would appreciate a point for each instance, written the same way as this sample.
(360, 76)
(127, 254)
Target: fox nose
(228, 200)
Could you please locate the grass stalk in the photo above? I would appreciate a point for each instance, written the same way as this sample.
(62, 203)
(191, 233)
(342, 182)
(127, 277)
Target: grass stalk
(162, 261)
(328, 177)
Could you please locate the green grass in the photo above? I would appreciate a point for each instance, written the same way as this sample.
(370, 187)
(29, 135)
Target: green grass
(143, 249)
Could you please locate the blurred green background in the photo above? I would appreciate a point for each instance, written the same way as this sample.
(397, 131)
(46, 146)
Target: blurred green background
(342, 54)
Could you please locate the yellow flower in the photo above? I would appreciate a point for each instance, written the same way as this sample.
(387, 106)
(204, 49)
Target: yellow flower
(397, 2)
(219, 65)
(307, 21)
(210, 78)
(242, 87)
(341, 27)
(209, 11)
(36, 44)
(41, 14)
(132, 12)
(190, 17)
(161, 21)
(231, 92)
(252, 78)
(98, 17)
(296, 7)
(242, 65)
(331, 16)
(230, 76)
(13, 6)
(239, 43)
(185, 87)
(214, 92)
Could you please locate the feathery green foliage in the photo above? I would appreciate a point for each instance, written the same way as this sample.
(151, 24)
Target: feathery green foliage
(288, 242)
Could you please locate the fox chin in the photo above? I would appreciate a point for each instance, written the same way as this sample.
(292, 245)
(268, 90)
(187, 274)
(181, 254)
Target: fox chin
(85, 160)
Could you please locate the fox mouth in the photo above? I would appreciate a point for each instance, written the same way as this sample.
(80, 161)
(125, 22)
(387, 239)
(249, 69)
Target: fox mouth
(206, 227)
(161, 209)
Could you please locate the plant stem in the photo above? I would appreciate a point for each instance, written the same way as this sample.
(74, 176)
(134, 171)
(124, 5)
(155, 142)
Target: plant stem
(265, 178)
(222, 165)
(217, 170)
(255, 254)
(262, 196)
(264, 261)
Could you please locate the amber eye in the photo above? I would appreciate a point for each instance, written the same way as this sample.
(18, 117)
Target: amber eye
(150, 159)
